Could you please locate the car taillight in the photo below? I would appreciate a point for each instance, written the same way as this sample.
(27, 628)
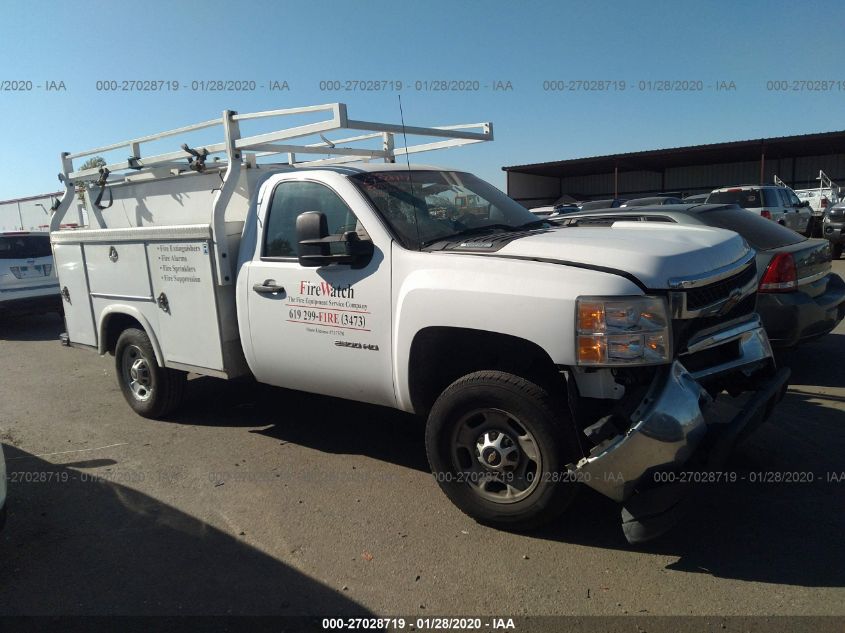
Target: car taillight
(824, 203)
(780, 275)
(766, 214)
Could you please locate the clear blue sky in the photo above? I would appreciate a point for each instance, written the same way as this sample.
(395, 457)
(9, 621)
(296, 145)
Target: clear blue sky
(525, 43)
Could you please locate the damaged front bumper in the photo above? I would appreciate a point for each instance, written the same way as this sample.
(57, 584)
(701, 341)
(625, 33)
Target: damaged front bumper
(670, 426)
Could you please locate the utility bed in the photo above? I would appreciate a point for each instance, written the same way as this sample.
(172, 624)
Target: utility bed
(166, 277)
(153, 259)
(165, 232)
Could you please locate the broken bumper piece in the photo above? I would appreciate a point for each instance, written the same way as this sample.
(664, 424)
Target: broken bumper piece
(668, 432)
(670, 428)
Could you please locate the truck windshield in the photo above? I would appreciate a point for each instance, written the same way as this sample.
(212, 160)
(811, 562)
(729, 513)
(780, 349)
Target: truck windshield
(426, 206)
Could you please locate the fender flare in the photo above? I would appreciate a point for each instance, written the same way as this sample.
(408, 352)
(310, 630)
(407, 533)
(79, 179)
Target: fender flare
(133, 312)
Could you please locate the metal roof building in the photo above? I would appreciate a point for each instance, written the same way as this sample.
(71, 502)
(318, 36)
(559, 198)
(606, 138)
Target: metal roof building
(32, 213)
(686, 170)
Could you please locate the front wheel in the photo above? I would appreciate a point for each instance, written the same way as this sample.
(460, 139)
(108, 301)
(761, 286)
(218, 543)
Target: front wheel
(151, 390)
(498, 446)
(837, 250)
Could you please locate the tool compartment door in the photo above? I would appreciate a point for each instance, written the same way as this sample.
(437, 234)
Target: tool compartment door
(184, 288)
(73, 281)
(118, 270)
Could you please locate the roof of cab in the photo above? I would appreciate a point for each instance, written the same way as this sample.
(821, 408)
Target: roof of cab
(361, 167)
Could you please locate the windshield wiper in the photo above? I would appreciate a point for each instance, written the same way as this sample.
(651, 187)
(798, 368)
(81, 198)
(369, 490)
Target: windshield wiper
(475, 230)
(478, 230)
(532, 224)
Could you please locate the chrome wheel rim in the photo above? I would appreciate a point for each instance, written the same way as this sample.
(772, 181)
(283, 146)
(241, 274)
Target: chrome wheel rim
(496, 455)
(137, 373)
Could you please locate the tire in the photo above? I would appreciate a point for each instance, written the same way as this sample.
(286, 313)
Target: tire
(152, 391)
(837, 250)
(811, 227)
(463, 421)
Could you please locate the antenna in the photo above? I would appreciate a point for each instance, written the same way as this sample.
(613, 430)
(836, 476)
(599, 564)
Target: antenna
(410, 174)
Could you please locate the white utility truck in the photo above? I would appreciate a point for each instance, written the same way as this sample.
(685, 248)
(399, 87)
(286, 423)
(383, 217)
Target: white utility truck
(820, 199)
(543, 357)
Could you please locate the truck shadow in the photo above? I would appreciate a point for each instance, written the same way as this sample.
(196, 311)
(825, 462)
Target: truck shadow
(762, 531)
(326, 424)
(76, 545)
(816, 362)
(35, 327)
(780, 533)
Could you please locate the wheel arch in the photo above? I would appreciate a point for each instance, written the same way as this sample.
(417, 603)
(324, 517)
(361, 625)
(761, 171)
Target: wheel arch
(439, 355)
(114, 319)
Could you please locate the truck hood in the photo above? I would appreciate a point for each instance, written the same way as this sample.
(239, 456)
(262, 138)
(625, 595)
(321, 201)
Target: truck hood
(652, 252)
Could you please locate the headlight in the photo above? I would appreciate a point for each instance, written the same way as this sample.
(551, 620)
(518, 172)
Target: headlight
(622, 331)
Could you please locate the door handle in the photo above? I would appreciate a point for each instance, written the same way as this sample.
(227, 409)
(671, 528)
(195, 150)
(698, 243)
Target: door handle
(268, 287)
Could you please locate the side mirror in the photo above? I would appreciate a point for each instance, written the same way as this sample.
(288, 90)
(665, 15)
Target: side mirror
(315, 243)
(804, 203)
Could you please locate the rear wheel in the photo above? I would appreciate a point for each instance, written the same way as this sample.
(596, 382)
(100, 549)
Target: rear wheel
(151, 390)
(498, 446)
(811, 227)
(837, 250)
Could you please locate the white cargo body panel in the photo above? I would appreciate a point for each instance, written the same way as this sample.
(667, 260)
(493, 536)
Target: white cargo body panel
(118, 270)
(183, 282)
(164, 277)
(70, 266)
(168, 200)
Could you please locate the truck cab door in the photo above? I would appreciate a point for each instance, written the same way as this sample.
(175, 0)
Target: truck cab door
(784, 215)
(319, 329)
(801, 212)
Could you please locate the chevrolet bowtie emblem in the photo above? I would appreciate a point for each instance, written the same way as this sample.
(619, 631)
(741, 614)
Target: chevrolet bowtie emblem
(733, 298)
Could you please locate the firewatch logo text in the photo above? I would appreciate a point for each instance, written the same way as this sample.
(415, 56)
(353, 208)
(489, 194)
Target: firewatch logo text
(325, 289)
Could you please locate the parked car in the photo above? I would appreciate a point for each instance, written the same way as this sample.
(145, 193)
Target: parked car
(564, 204)
(696, 198)
(543, 212)
(833, 228)
(549, 212)
(2, 488)
(611, 203)
(774, 202)
(28, 281)
(799, 297)
(652, 200)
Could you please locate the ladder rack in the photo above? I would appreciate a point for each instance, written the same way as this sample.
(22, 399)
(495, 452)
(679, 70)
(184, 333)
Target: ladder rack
(187, 160)
(825, 183)
(278, 141)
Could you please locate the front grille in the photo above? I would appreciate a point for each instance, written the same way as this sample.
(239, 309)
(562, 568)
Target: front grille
(707, 295)
(684, 329)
